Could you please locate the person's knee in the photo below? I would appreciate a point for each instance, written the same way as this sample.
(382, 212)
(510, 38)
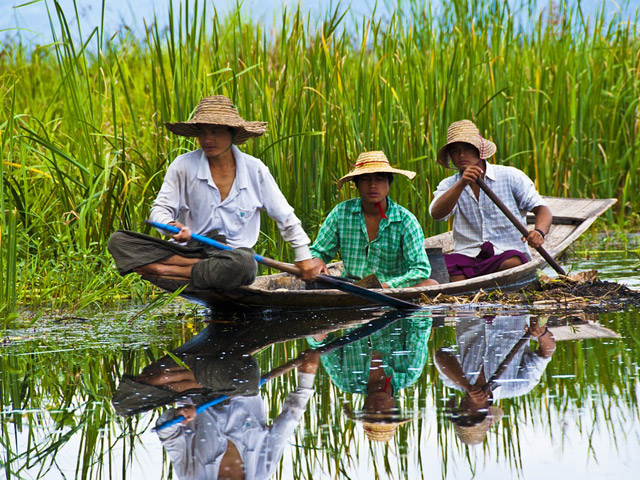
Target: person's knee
(510, 262)
(228, 270)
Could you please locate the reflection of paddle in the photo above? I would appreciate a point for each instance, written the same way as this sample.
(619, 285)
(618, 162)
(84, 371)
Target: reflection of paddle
(338, 284)
(357, 334)
(518, 224)
(493, 381)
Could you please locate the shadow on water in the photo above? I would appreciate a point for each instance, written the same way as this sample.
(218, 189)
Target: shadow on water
(472, 391)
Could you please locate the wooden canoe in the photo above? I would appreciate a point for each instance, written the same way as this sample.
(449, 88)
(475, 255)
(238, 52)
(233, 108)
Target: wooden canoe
(571, 217)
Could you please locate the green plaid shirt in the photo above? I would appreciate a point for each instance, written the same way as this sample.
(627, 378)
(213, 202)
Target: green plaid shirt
(402, 346)
(396, 256)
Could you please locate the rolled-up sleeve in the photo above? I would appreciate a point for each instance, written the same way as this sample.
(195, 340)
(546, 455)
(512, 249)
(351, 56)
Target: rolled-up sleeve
(290, 226)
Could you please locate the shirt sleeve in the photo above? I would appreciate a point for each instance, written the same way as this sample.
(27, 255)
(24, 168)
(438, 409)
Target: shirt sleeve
(328, 241)
(277, 207)
(284, 424)
(443, 186)
(525, 192)
(166, 206)
(414, 254)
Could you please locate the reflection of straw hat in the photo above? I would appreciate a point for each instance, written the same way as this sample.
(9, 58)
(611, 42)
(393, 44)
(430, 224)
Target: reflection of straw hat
(218, 110)
(475, 434)
(466, 131)
(373, 162)
(379, 426)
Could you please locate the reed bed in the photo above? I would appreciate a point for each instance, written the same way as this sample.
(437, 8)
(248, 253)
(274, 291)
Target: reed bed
(84, 148)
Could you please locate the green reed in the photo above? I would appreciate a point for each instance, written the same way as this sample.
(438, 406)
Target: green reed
(85, 150)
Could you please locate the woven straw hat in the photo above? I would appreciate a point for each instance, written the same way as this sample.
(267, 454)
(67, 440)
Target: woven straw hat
(218, 110)
(379, 426)
(373, 162)
(475, 434)
(466, 131)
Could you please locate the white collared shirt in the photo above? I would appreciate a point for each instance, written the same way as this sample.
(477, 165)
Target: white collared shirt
(196, 449)
(479, 220)
(482, 347)
(188, 195)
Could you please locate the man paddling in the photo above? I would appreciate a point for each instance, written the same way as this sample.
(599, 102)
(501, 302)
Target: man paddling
(374, 234)
(216, 191)
(485, 241)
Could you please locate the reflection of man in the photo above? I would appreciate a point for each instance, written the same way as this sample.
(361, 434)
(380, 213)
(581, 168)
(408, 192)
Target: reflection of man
(379, 366)
(490, 364)
(232, 440)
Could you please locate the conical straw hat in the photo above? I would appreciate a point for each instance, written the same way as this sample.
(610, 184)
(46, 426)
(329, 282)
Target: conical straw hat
(218, 110)
(466, 131)
(373, 162)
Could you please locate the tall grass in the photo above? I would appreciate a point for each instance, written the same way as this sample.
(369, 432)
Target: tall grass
(85, 150)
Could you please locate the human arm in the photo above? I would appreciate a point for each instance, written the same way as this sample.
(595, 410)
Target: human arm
(290, 226)
(449, 191)
(544, 217)
(545, 338)
(166, 206)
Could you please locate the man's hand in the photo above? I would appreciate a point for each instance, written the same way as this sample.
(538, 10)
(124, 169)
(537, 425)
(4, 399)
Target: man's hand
(188, 412)
(534, 239)
(312, 267)
(471, 174)
(310, 361)
(184, 235)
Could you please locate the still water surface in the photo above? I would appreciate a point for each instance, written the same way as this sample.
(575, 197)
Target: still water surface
(564, 404)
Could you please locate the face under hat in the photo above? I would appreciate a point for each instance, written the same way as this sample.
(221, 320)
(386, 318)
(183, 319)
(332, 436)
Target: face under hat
(465, 131)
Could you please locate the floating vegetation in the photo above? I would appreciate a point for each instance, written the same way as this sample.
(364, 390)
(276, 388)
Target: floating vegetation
(579, 291)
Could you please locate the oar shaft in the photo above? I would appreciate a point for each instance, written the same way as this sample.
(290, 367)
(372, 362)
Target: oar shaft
(364, 331)
(342, 285)
(518, 224)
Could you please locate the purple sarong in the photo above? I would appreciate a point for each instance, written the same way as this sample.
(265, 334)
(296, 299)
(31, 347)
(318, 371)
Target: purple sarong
(486, 262)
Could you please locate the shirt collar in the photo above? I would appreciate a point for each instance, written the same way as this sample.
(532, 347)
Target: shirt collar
(392, 213)
(241, 168)
(490, 171)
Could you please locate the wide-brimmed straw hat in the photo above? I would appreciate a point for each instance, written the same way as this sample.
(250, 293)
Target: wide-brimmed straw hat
(373, 162)
(379, 426)
(218, 110)
(466, 131)
(475, 434)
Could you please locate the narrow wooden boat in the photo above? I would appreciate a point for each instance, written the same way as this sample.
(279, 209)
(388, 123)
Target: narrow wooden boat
(571, 217)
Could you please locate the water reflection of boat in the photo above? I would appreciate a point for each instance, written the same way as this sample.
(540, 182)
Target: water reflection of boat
(571, 218)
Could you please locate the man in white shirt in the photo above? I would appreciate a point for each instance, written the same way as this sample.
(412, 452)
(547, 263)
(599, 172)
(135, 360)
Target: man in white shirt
(485, 241)
(233, 440)
(215, 190)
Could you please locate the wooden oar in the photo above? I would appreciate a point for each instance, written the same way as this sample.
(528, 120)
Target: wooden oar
(518, 224)
(342, 285)
(355, 335)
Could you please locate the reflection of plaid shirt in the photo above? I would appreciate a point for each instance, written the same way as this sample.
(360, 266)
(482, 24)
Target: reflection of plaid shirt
(397, 255)
(479, 220)
(402, 347)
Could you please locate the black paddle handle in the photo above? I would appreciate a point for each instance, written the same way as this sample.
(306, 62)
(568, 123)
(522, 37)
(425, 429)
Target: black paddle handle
(518, 224)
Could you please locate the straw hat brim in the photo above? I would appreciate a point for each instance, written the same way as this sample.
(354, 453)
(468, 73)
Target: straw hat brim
(244, 130)
(475, 434)
(375, 169)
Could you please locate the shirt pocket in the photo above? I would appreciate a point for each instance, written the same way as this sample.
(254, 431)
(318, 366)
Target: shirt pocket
(243, 216)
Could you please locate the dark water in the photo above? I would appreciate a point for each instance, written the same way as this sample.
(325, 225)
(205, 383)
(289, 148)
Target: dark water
(565, 404)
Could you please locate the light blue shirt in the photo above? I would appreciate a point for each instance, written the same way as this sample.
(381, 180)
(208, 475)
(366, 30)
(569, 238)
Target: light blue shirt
(479, 220)
(190, 196)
